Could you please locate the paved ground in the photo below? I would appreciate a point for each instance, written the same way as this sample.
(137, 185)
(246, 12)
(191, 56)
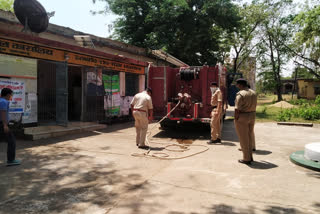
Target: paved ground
(94, 173)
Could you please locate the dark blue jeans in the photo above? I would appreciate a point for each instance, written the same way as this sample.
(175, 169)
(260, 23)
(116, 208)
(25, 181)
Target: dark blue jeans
(10, 139)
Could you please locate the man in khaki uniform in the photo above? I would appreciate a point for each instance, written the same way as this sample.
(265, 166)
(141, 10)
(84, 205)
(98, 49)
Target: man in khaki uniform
(142, 111)
(245, 115)
(216, 102)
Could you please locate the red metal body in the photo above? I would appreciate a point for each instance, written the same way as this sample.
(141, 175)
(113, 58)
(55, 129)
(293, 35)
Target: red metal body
(194, 94)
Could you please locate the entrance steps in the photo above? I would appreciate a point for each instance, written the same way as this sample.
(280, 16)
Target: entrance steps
(45, 132)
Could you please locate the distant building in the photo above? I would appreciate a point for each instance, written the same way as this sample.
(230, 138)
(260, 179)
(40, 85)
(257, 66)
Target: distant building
(308, 88)
(288, 86)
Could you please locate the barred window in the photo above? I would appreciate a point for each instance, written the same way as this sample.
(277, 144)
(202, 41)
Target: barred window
(132, 84)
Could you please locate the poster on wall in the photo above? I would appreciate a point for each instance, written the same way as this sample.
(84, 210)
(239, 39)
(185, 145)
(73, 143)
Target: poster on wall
(94, 83)
(17, 104)
(112, 99)
(31, 109)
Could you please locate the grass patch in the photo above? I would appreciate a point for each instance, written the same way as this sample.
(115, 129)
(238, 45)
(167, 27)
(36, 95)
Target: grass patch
(306, 111)
(266, 113)
(271, 114)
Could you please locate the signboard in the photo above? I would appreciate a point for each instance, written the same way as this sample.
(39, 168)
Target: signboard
(13, 66)
(41, 52)
(112, 100)
(18, 100)
(99, 62)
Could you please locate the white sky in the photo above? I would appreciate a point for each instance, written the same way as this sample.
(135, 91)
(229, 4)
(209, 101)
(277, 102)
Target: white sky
(76, 14)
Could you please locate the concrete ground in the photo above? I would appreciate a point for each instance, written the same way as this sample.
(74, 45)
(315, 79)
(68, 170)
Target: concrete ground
(95, 173)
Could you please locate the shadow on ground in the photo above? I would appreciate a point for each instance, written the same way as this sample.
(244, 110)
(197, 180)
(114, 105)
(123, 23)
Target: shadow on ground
(229, 136)
(61, 179)
(262, 165)
(262, 152)
(228, 209)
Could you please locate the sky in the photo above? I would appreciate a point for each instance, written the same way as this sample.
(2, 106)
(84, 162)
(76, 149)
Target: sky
(76, 14)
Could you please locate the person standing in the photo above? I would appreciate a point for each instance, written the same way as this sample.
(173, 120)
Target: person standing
(245, 114)
(216, 103)
(5, 132)
(142, 111)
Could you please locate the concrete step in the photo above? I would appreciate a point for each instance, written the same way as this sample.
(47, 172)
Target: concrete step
(45, 132)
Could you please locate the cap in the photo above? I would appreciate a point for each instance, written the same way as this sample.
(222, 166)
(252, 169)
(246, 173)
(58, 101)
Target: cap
(241, 81)
(149, 90)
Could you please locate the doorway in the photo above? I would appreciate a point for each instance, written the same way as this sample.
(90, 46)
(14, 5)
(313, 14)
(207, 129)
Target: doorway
(74, 93)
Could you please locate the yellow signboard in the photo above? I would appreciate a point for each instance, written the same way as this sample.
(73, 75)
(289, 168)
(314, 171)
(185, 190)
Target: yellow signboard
(40, 52)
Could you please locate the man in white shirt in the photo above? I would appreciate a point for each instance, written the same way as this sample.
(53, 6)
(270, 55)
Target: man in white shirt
(142, 111)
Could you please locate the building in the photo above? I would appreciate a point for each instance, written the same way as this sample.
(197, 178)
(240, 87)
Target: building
(308, 88)
(288, 85)
(63, 75)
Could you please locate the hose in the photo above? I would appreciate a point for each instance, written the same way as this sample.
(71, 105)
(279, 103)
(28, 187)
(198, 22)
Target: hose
(163, 155)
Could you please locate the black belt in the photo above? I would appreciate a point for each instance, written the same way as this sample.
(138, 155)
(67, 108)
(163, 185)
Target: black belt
(214, 107)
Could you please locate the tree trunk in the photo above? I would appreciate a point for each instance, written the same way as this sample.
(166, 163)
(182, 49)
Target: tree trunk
(275, 70)
(294, 83)
(235, 66)
(279, 84)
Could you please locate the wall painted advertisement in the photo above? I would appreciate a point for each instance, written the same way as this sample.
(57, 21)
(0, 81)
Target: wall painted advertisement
(17, 104)
(112, 99)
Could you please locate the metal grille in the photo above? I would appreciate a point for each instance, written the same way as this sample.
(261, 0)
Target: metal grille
(132, 84)
(94, 95)
(46, 91)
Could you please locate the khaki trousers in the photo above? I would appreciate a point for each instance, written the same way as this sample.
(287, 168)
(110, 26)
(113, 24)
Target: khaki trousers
(141, 124)
(245, 130)
(215, 125)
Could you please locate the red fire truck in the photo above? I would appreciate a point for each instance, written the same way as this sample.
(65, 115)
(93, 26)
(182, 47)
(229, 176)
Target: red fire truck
(188, 87)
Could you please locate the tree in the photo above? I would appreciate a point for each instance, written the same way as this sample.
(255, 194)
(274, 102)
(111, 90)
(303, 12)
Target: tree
(274, 36)
(6, 5)
(242, 39)
(306, 47)
(192, 30)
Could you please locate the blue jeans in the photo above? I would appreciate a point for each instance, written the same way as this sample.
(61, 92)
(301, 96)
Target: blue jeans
(10, 139)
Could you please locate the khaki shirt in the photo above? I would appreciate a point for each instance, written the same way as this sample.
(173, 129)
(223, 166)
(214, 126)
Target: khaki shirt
(246, 100)
(142, 101)
(216, 97)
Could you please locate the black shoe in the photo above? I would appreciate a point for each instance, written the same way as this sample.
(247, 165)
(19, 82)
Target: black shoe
(210, 142)
(244, 162)
(218, 140)
(143, 147)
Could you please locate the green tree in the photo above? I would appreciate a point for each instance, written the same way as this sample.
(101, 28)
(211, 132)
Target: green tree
(306, 47)
(194, 31)
(274, 36)
(242, 40)
(6, 5)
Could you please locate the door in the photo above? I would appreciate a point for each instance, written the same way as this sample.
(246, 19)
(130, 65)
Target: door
(157, 81)
(62, 94)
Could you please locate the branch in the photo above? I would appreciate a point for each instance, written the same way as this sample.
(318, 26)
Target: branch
(302, 56)
(309, 69)
(245, 57)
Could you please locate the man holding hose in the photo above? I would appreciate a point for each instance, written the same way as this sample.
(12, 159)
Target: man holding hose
(142, 111)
